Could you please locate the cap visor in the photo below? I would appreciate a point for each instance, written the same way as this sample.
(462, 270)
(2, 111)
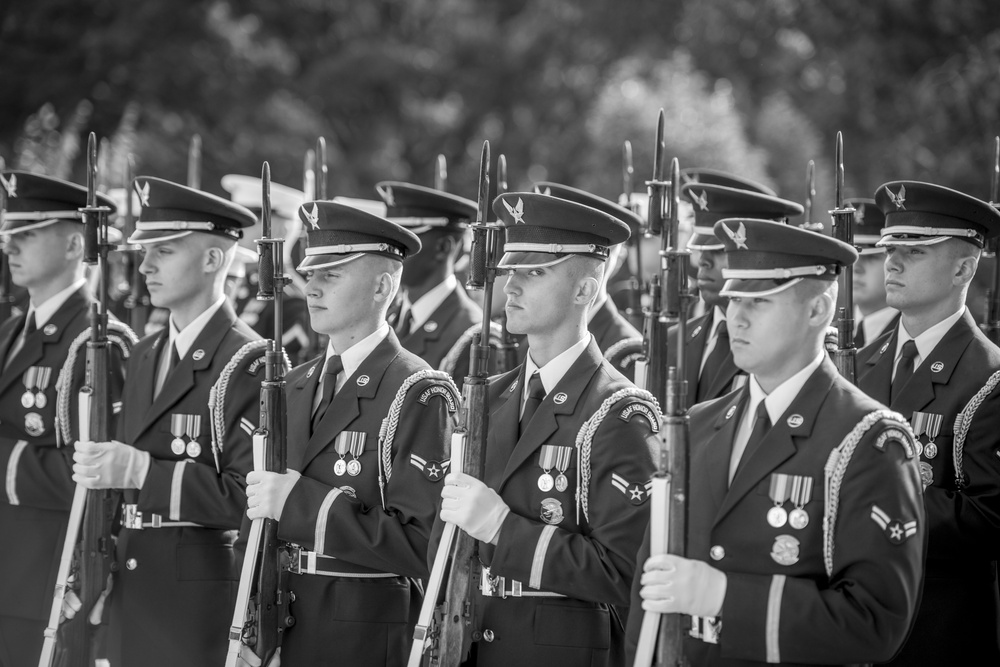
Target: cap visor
(737, 287)
(705, 242)
(530, 260)
(314, 262)
(910, 240)
(141, 237)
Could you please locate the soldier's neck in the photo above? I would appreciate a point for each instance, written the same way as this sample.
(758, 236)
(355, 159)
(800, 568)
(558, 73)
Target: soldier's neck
(185, 313)
(919, 320)
(345, 338)
(41, 293)
(547, 346)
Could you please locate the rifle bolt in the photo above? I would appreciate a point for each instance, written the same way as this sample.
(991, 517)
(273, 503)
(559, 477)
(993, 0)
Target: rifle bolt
(488, 635)
(131, 564)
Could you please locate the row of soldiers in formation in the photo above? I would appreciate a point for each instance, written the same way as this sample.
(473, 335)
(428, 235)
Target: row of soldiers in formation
(827, 523)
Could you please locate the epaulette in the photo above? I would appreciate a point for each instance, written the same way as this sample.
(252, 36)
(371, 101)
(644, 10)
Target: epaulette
(461, 345)
(217, 394)
(836, 468)
(585, 437)
(964, 421)
(442, 386)
(121, 336)
(620, 354)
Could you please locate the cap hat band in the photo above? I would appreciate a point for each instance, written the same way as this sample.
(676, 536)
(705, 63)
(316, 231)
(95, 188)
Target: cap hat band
(558, 248)
(866, 239)
(179, 225)
(917, 230)
(776, 274)
(346, 248)
(413, 221)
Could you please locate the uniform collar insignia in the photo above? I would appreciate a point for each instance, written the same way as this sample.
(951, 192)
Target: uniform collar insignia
(517, 211)
(739, 237)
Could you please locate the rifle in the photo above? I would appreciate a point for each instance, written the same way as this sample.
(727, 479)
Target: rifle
(661, 636)
(194, 162)
(441, 173)
(6, 297)
(807, 222)
(316, 173)
(444, 632)
(137, 302)
(992, 326)
(69, 644)
(845, 355)
(507, 351)
(261, 613)
(633, 261)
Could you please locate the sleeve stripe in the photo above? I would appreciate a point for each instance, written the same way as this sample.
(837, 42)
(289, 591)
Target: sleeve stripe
(538, 562)
(15, 456)
(319, 539)
(176, 486)
(772, 625)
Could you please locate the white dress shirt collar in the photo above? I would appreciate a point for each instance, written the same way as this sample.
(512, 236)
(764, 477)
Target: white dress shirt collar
(928, 340)
(355, 355)
(552, 372)
(424, 307)
(184, 339)
(46, 310)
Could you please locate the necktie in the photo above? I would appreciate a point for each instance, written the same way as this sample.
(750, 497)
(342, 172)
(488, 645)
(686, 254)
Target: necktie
(334, 366)
(536, 394)
(714, 362)
(859, 337)
(904, 369)
(29, 328)
(761, 425)
(165, 368)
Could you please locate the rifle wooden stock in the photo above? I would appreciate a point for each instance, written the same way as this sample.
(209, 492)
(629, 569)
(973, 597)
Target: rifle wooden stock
(845, 356)
(992, 327)
(444, 633)
(71, 643)
(261, 613)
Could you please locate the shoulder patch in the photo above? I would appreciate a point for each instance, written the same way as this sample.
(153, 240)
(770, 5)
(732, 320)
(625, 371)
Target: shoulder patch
(255, 366)
(642, 410)
(895, 530)
(443, 392)
(894, 435)
(434, 471)
(635, 492)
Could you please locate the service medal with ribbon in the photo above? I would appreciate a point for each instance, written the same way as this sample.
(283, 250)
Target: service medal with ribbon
(178, 427)
(779, 492)
(193, 430)
(802, 486)
(929, 424)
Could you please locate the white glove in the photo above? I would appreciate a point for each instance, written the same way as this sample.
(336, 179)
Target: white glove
(248, 658)
(671, 584)
(109, 465)
(267, 493)
(472, 506)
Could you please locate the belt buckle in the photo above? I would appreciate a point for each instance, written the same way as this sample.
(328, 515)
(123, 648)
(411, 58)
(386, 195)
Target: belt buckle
(492, 587)
(294, 552)
(131, 516)
(711, 629)
(155, 520)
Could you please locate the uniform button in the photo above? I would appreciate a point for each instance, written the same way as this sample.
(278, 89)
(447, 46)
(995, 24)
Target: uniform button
(131, 564)
(717, 552)
(488, 635)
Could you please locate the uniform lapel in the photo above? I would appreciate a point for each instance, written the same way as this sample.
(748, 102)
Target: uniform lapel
(724, 377)
(714, 454)
(936, 369)
(346, 404)
(877, 359)
(779, 443)
(431, 330)
(504, 413)
(302, 394)
(545, 421)
(182, 377)
(697, 337)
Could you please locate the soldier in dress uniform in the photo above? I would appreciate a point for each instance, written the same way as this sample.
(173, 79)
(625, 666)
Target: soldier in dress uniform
(874, 317)
(805, 520)
(440, 311)
(709, 363)
(44, 247)
(620, 342)
(180, 457)
(285, 201)
(368, 429)
(939, 371)
(561, 511)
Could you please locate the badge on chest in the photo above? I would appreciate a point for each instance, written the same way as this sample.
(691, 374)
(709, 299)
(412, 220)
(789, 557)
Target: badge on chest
(36, 380)
(794, 488)
(186, 429)
(349, 443)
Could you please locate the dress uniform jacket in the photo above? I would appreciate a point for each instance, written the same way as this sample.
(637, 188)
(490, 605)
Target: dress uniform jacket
(588, 559)
(783, 604)
(34, 509)
(434, 338)
(609, 328)
(957, 619)
(699, 331)
(176, 585)
(374, 524)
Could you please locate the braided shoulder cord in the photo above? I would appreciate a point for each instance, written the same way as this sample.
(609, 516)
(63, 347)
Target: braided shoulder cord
(836, 468)
(387, 431)
(462, 345)
(621, 346)
(120, 335)
(963, 421)
(585, 441)
(217, 394)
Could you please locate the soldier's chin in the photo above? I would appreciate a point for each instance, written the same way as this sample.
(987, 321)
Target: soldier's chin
(515, 322)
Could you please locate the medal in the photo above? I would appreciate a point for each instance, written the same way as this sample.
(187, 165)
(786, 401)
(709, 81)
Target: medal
(193, 449)
(340, 467)
(561, 483)
(353, 442)
(802, 486)
(41, 384)
(777, 516)
(40, 400)
(354, 468)
(930, 450)
(342, 444)
(929, 424)
(177, 429)
(552, 511)
(545, 482)
(193, 430)
(563, 456)
(27, 400)
(29, 381)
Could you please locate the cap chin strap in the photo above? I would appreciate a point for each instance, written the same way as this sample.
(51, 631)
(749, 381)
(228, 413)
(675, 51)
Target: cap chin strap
(510, 267)
(891, 240)
(43, 215)
(302, 267)
(925, 235)
(158, 239)
(774, 274)
(37, 225)
(728, 290)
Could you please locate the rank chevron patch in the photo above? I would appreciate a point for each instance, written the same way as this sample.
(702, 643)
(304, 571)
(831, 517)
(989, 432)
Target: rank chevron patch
(433, 470)
(635, 492)
(895, 530)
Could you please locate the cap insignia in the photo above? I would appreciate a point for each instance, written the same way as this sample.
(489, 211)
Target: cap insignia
(898, 199)
(10, 185)
(690, 178)
(547, 191)
(739, 237)
(387, 195)
(312, 217)
(859, 215)
(516, 212)
(701, 200)
(143, 192)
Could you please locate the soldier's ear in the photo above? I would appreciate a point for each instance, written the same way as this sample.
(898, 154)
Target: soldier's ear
(586, 290)
(215, 259)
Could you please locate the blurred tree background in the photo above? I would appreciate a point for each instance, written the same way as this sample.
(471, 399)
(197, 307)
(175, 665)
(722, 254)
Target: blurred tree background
(758, 87)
